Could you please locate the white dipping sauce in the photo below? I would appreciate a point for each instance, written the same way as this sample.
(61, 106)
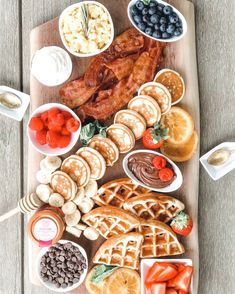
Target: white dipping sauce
(51, 66)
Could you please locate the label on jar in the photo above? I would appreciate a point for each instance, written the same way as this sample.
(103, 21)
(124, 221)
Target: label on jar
(45, 230)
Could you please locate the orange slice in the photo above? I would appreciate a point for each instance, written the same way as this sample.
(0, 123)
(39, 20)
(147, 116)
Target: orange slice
(173, 82)
(123, 280)
(94, 288)
(180, 124)
(180, 153)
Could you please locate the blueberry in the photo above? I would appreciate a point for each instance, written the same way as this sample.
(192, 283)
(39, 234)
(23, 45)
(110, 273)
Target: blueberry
(152, 10)
(163, 27)
(141, 26)
(145, 11)
(150, 24)
(163, 20)
(157, 34)
(134, 10)
(154, 18)
(166, 35)
(157, 26)
(167, 10)
(173, 18)
(139, 5)
(178, 32)
(153, 4)
(137, 18)
(160, 7)
(170, 29)
(178, 24)
(145, 18)
(149, 31)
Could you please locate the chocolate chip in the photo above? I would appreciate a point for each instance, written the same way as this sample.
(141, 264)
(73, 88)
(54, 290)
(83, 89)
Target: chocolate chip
(60, 280)
(64, 285)
(75, 280)
(62, 258)
(44, 270)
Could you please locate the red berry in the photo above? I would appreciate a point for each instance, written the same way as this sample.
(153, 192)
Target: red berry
(44, 118)
(159, 162)
(36, 124)
(66, 115)
(166, 174)
(65, 132)
(54, 127)
(72, 125)
(52, 139)
(64, 141)
(41, 137)
(53, 111)
(58, 119)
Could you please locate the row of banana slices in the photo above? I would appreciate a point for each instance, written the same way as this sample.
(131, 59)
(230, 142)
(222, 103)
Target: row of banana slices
(72, 210)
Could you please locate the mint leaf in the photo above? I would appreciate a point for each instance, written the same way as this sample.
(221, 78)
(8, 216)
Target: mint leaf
(102, 272)
(87, 132)
(146, 2)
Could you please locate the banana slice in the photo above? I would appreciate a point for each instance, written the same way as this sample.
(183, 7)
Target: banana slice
(43, 164)
(43, 192)
(79, 196)
(91, 188)
(56, 200)
(43, 176)
(73, 219)
(86, 205)
(52, 163)
(69, 207)
(81, 226)
(74, 231)
(91, 234)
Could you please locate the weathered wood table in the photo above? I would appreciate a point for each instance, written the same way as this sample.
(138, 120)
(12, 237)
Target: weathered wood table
(216, 59)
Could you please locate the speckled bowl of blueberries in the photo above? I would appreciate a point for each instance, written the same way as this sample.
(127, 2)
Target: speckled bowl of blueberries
(157, 19)
(62, 267)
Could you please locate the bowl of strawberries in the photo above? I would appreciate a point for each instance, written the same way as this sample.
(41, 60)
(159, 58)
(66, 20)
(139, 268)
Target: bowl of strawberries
(53, 129)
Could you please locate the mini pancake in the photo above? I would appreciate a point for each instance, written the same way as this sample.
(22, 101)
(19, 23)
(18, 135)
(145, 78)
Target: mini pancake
(147, 107)
(173, 81)
(95, 161)
(122, 136)
(133, 120)
(159, 92)
(106, 147)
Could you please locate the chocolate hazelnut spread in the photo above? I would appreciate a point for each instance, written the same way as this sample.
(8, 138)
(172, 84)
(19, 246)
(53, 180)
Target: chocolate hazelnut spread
(140, 164)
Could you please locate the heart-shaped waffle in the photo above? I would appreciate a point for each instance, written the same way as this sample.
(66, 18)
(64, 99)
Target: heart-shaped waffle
(122, 251)
(154, 206)
(116, 192)
(159, 239)
(110, 221)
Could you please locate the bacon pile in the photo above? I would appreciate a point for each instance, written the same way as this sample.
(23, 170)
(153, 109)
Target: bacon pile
(114, 76)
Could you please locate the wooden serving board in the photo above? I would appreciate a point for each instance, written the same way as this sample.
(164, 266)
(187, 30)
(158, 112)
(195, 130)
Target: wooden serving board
(180, 56)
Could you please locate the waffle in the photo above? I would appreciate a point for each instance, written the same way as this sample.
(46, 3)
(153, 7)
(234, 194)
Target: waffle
(122, 251)
(159, 239)
(116, 192)
(154, 206)
(110, 221)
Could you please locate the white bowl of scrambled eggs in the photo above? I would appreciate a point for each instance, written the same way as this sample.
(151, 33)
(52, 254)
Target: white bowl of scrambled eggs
(86, 28)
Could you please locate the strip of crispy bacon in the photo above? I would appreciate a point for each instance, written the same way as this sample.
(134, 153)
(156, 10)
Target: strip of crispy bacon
(111, 101)
(129, 42)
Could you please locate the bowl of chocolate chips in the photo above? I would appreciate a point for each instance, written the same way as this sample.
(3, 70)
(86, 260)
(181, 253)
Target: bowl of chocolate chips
(62, 267)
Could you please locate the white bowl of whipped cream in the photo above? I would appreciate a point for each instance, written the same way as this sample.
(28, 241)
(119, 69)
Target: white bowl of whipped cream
(51, 66)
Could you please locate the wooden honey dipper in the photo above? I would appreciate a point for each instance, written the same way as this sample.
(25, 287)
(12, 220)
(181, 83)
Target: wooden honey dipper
(26, 204)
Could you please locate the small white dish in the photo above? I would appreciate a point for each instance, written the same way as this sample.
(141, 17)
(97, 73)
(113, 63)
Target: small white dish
(61, 18)
(147, 263)
(18, 113)
(173, 39)
(49, 285)
(45, 149)
(175, 185)
(217, 172)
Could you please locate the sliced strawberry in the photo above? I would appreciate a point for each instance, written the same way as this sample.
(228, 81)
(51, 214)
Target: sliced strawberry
(52, 139)
(36, 124)
(41, 137)
(54, 127)
(58, 119)
(44, 118)
(53, 111)
(64, 141)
